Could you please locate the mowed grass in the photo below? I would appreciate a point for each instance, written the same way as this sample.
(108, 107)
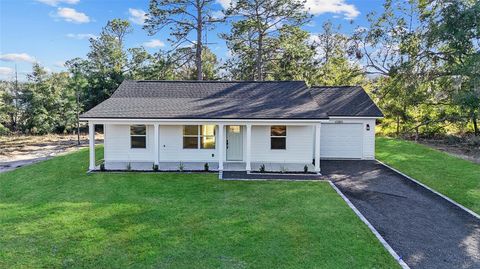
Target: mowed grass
(53, 214)
(456, 178)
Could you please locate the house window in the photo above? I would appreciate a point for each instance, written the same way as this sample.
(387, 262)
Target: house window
(138, 136)
(278, 137)
(199, 136)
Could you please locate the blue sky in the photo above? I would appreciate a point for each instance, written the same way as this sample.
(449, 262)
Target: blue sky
(53, 31)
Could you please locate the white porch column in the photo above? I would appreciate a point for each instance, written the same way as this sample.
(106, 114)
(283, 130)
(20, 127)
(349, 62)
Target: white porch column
(317, 147)
(155, 143)
(221, 146)
(91, 138)
(248, 152)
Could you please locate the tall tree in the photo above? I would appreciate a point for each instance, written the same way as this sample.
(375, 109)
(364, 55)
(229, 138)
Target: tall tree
(392, 50)
(256, 27)
(294, 56)
(187, 70)
(106, 63)
(183, 17)
(11, 93)
(49, 102)
(453, 41)
(334, 64)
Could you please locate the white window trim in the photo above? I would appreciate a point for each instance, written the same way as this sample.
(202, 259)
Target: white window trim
(132, 135)
(278, 136)
(199, 138)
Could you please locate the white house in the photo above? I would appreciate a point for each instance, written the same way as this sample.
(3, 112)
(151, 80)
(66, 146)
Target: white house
(232, 125)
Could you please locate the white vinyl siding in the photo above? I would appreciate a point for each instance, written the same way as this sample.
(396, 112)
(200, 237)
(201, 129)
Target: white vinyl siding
(369, 140)
(299, 145)
(117, 144)
(171, 147)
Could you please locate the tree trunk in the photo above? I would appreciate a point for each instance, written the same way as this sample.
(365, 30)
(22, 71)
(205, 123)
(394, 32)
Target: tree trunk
(259, 60)
(475, 125)
(398, 126)
(199, 45)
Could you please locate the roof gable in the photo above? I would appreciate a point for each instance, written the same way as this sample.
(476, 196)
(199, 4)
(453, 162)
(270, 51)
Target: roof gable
(345, 101)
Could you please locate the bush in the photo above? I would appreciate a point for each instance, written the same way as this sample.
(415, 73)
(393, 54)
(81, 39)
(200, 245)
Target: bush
(129, 167)
(206, 168)
(4, 130)
(305, 169)
(262, 168)
(102, 167)
(181, 167)
(155, 167)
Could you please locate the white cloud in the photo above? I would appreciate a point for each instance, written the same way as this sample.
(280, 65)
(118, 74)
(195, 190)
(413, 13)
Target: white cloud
(6, 71)
(81, 36)
(317, 7)
(137, 16)
(224, 3)
(217, 14)
(56, 2)
(154, 43)
(71, 15)
(17, 57)
(60, 64)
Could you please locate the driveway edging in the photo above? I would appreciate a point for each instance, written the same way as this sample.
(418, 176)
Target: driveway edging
(387, 246)
(430, 189)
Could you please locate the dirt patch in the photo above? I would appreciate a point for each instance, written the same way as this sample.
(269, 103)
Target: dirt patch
(16, 151)
(461, 150)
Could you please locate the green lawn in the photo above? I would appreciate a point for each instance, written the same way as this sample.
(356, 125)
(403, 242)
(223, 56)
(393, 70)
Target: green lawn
(451, 176)
(53, 214)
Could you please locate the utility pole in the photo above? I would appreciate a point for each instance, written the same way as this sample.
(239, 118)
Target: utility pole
(77, 93)
(78, 115)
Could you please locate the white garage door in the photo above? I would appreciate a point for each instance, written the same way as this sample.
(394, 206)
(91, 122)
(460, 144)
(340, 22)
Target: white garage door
(341, 141)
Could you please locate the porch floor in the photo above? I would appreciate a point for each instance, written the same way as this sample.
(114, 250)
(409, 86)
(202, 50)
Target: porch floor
(213, 166)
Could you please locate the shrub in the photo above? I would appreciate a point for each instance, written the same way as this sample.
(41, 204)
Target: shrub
(305, 169)
(4, 130)
(155, 167)
(262, 168)
(129, 167)
(205, 167)
(102, 167)
(181, 167)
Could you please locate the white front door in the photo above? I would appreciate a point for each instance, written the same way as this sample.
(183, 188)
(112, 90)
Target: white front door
(234, 143)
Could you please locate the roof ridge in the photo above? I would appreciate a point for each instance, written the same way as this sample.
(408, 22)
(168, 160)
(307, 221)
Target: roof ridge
(219, 81)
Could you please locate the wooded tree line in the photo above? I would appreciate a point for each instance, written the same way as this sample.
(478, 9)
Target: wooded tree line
(419, 60)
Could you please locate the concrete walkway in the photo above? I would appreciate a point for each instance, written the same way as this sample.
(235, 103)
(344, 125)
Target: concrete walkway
(424, 229)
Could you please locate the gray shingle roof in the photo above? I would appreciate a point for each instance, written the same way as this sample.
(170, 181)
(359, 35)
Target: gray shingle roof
(345, 101)
(219, 100)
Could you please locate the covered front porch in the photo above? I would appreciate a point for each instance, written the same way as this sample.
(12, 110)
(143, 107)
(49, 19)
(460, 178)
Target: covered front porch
(285, 146)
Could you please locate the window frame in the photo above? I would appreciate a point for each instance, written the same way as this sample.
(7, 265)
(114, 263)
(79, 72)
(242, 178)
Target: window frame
(199, 137)
(137, 135)
(278, 136)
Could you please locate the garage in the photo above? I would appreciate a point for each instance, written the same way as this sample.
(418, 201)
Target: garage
(341, 141)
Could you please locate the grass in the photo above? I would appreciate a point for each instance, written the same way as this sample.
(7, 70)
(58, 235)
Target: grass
(456, 178)
(53, 214)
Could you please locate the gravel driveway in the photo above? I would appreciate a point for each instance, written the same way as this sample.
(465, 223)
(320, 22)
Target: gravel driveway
(424, 229)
